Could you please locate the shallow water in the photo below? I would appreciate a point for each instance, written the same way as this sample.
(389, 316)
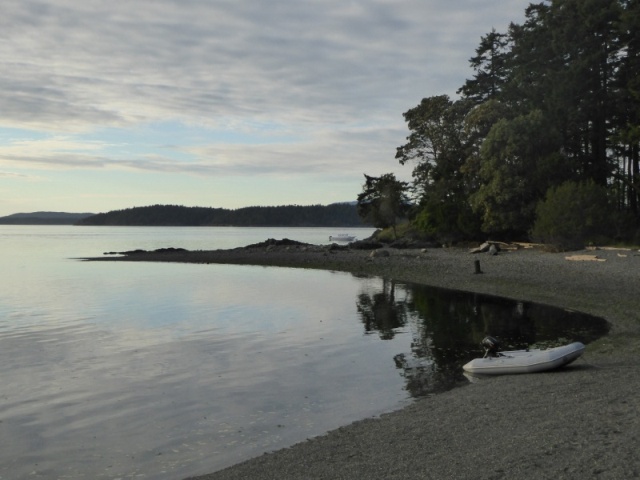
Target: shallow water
(159, 371)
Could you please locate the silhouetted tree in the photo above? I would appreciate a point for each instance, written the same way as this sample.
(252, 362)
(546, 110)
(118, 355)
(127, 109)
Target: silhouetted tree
(383, 201)
(552, 100)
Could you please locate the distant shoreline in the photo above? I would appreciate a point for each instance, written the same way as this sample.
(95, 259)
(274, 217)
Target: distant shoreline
(568, 424)
(43, 218)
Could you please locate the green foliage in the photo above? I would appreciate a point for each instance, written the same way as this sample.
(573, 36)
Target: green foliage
(573, 215)
(447, 222)
(438, 145)
(389, 235)
(552, 100)
(383, 201)
(490, 65)
(511, 184)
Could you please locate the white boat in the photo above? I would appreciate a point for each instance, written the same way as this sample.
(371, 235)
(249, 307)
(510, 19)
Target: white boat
(525, 361)
(342, 237)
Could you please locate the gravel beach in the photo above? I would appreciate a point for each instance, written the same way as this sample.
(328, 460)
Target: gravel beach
(579, 422)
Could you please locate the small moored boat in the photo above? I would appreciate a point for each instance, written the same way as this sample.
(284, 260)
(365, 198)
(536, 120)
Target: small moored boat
(524, 361)
(342, 237)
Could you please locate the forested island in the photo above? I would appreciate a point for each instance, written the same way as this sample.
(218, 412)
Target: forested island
(43, 218)
(334, 215)
(543, 141)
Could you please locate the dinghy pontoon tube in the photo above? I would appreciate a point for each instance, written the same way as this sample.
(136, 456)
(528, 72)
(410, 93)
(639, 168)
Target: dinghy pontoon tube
(522, 361)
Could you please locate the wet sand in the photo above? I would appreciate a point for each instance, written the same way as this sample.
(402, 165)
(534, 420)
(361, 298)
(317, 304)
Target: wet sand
(580, 422)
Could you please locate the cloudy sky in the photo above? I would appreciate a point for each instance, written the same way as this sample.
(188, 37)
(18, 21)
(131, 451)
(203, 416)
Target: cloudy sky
(225, 103)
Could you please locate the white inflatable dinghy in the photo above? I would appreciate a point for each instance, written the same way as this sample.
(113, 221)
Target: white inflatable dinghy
(524, 361)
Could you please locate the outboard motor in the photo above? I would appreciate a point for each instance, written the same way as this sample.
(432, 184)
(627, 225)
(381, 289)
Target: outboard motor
(491, 346)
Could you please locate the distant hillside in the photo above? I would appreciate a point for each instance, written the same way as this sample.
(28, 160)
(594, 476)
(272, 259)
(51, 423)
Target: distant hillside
(43, 218)
(335, 215)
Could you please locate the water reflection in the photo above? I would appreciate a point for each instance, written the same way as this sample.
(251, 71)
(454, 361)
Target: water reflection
(447, 326)
(167, 370)
(380, 311)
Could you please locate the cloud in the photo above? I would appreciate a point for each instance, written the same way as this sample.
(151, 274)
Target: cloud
(52, 152)
(12, 175)
(68, 63)
(344, 151)
(250, 87)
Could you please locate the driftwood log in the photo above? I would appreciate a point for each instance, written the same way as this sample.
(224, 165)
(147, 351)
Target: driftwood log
(488, 246)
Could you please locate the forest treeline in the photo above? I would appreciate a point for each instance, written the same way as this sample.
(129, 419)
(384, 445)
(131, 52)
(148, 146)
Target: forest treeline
(544, 139)
(43, 218)
(334, 215)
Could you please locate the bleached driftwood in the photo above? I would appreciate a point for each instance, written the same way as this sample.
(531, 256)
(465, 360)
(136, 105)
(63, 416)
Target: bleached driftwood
(585, 258)
(499, 246)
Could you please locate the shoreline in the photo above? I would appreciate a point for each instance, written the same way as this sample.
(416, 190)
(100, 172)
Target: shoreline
(579, 422)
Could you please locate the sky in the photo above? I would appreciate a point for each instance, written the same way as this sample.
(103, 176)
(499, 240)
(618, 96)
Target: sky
(106, 105)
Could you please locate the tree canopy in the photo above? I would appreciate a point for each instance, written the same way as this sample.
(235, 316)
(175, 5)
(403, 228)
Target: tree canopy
(383, 201)
(553, 100)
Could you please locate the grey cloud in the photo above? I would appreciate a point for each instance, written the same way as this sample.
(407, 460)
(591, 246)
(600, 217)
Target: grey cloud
(59, 160)
(112, 63)
(344, 151)
(12, 175)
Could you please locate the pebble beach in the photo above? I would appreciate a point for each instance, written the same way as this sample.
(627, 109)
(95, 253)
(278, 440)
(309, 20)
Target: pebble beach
(579, 422)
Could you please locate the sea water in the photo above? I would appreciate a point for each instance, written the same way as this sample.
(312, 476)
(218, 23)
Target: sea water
(159, 371)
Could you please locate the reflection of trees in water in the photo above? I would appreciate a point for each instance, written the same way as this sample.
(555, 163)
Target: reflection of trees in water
(439, 326)
(553, 323)
(506, 319)
(424, 376)
(447, 327)
(380, 312)
(456, 322)
(428, 367)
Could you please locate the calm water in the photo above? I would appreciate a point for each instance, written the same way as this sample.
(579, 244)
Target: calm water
(160, 371)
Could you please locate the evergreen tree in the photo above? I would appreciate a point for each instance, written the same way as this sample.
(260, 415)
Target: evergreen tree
(383, 201)
(555, 99)
(438, 145)
(518, 164)
(490, 65)
(627, 109)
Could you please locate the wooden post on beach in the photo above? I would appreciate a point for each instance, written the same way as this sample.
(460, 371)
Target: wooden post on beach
(477, 265)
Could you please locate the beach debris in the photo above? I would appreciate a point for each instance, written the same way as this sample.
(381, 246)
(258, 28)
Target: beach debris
(595, 247)
(493, 247)
(482, 248)
(585, 258)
